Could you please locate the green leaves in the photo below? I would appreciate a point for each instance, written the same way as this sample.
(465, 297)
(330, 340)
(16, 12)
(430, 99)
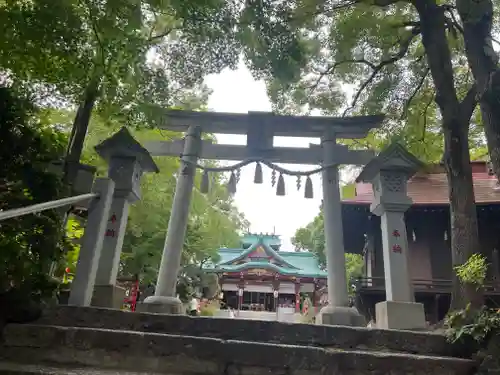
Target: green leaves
(272, 43)
(312, 238)
(38, 46)
(470, 326)
(473, 271)
(356, 58)
(28, 244)
(144, 55)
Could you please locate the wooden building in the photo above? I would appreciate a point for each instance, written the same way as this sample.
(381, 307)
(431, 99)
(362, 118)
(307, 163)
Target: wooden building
(428, 230)
(258, 276)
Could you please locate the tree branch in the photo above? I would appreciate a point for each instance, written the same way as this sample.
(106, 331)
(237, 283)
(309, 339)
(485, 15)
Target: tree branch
(383, 3)
(154, 38)
(342, 4)
(325, 12)
(452, 22)
(403, 50)
(93, 26)
(425, 116)
(469, 103)
(407, 24)
(332, 67)
(448, 7)
(415, 92)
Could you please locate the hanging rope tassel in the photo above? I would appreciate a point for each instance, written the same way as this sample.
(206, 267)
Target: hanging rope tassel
(257, 179)
(280, 188)
(205, 183)
(308, 190)
(231, 185)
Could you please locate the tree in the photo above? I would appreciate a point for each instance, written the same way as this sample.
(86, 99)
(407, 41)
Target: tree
(477, 20)
(122, 57)
(403, 59)
(312, 238)
(29, 244)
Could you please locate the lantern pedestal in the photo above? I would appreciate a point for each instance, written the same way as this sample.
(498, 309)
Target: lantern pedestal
(110, 296)
(400, 315)
(340, 316)
(162, 305)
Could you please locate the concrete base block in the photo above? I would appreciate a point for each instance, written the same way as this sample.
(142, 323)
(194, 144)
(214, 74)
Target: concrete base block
(161, 305)
(340, 316)
(400, 315)
(109, 296)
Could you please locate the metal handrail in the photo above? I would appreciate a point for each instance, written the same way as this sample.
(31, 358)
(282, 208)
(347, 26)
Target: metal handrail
(16, 212)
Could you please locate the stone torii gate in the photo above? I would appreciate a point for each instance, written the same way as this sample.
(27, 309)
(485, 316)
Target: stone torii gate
(260, 128)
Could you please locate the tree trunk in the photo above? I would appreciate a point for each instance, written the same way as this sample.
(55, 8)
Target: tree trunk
(477, 17)
(79, 131)
(464, 231)
(455, 121)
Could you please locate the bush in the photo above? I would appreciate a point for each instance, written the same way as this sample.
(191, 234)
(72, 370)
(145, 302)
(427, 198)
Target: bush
(473, 271)
(468, 325)
(473, 325)
(209, 308)
(28, 244)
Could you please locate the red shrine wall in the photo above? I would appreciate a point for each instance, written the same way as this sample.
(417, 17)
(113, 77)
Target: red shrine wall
(420, 260)
(419, 254)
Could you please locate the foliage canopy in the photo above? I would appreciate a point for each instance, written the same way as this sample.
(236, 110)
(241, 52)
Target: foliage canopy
(312, 238)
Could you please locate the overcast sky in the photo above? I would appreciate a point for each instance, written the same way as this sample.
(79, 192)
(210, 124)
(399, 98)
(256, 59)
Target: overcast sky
(237, 91)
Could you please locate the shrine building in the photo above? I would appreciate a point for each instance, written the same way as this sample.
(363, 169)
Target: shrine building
(428, 235)
(260, 277)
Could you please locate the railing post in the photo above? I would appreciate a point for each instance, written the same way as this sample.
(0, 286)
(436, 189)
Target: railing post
(83, 283)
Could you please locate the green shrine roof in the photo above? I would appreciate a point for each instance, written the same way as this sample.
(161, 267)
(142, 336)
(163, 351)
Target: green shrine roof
(272, 240)
(262, 254)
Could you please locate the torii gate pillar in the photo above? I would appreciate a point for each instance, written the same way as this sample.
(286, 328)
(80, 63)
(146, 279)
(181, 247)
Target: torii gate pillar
(165, 299)
(337, 311)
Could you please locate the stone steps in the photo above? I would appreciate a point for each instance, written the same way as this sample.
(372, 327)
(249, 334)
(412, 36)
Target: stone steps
(72, 348)
(10, 368)
(348, 338)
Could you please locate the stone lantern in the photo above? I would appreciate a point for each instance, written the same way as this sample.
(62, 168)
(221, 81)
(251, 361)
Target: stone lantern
(388, 173)
(127, 161)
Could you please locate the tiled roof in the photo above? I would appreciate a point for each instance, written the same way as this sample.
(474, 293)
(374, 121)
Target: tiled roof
(433, 189)
(259, 246)
(305, 263)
